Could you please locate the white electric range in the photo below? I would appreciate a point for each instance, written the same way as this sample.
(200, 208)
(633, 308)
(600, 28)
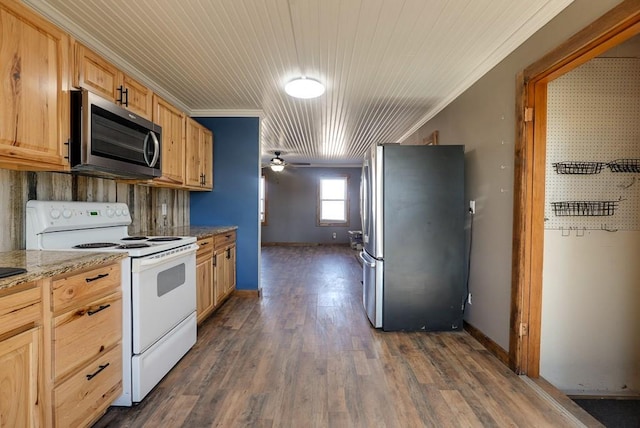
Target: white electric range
(158, 283)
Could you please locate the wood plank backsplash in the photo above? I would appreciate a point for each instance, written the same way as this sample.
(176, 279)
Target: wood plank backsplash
(145, 203)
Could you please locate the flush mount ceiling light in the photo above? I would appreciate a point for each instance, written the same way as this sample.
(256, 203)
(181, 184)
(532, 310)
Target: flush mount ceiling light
(304, 88)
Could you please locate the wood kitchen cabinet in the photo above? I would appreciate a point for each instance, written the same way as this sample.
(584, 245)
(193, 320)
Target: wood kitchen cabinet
(224, 270)
(172, 122)
(34, 84)
(199, 156)
(94, 73)
(20, 338)
(204, 279)
(83, 342)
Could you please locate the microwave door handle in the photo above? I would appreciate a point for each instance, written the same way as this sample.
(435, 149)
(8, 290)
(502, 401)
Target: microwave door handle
(156, 147)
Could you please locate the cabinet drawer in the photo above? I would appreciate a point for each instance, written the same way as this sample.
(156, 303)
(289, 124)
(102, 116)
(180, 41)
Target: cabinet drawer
(75, 289)
(85, 395)
(84, 333)
(224, 239)
(206, 246)
(20, 308)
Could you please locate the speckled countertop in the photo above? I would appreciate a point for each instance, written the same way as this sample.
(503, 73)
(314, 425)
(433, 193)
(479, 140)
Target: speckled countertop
(197, 231)
(43, 264)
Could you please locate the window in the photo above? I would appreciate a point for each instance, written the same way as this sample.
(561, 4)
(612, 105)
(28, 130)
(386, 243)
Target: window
(333, 201)
(263, 201)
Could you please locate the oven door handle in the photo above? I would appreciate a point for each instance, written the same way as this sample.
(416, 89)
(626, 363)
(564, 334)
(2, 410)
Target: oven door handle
(153, 261)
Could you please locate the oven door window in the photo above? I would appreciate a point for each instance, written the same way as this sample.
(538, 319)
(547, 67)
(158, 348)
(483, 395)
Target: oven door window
(171, 279)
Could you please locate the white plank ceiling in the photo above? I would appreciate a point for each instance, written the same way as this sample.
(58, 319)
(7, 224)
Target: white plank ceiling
(388, 65)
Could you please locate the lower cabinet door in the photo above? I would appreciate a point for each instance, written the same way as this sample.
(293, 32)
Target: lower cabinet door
(83, 397)
(204, 288)
(19, 379)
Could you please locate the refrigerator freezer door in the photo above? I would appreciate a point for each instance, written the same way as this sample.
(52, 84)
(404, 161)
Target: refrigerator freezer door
(372, 270)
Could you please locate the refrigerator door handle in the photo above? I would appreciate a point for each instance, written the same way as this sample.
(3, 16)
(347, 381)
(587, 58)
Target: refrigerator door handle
(365, 261)
(364, 190)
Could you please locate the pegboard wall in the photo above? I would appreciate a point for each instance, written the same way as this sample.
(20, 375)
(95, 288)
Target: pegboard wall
(593, 115)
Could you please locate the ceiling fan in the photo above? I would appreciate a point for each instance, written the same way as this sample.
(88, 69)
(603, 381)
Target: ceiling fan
(277, 164)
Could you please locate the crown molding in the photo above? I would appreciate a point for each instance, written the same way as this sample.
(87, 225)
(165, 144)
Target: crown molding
(227, 113)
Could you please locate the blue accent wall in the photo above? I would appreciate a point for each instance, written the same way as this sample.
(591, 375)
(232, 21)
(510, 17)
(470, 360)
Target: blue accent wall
(234, 199)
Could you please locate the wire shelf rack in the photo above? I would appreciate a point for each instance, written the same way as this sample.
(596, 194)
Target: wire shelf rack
(624, 165)
(584, 208)
(578, 167)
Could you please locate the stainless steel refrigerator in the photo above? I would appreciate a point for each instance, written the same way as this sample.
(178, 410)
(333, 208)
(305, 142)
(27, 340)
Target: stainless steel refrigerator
(413, 217)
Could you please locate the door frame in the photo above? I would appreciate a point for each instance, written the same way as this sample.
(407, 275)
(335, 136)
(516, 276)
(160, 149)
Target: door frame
(612, 28)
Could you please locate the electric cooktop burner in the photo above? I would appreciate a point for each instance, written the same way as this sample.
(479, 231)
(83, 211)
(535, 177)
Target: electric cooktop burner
(134, 238)
(165, 238)
(131, 246)
(92, 245)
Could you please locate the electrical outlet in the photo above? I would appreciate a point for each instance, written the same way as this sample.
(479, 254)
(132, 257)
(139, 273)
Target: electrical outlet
(469, 299)
(472, 207)
(334, 235)
(164, 209)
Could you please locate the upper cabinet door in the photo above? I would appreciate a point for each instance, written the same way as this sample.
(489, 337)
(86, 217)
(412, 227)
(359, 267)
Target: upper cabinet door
(193, 159)
(34, 83)
(172, 122)
(199, 156)
(137, 97)
(207, 159)
(94, 73)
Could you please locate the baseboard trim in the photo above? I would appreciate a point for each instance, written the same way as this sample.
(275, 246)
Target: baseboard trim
(488, 343)
(248, 293)
(601, 396)
(303, 244)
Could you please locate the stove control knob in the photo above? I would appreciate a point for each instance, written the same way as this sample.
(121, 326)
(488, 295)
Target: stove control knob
(118, 212)
(54, 213)
(66, 213)
(110, 212)
(125, 212)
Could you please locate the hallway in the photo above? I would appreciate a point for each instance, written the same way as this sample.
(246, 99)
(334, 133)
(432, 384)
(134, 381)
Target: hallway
(304, 355)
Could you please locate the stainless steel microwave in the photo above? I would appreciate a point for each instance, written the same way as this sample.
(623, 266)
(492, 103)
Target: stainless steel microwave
(109, 141)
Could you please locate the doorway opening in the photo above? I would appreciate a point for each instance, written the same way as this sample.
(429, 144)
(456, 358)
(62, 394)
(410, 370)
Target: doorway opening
(618, 25)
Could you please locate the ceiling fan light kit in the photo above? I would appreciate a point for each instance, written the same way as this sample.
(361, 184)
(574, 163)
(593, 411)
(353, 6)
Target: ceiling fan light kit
(305, 88)
(277, 164)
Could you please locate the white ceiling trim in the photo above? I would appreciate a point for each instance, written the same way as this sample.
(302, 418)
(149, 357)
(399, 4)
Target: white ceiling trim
(85, 38)
(526, 30)
(227, 113)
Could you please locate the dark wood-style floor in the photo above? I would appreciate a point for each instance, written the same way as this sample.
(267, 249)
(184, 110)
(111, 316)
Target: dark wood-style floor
(305, 355)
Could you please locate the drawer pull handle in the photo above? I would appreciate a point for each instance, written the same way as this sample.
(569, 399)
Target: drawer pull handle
(100, 368)
(102, 275)
(204, 243)
(101, 308)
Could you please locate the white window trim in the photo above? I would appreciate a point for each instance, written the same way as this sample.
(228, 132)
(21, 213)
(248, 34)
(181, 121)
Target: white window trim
(346, 202)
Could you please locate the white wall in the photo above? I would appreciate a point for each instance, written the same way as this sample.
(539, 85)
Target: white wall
(590, 340)
(483, 119)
